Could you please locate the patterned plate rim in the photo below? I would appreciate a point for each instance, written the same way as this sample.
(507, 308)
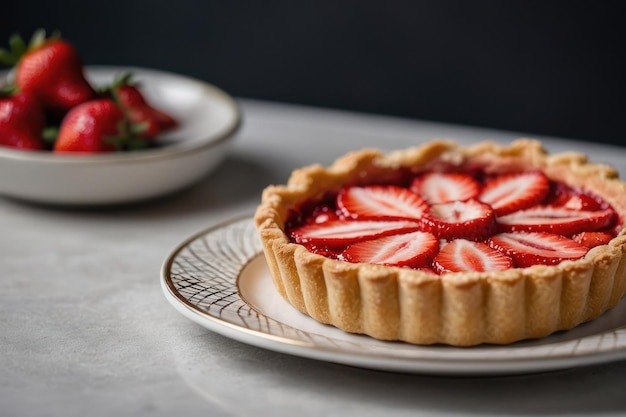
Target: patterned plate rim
(200, 278)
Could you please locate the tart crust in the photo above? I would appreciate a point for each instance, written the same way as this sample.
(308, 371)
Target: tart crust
(461, 309)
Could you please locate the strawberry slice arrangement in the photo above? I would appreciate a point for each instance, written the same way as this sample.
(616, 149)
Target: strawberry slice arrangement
(50, 105)
(452, 222)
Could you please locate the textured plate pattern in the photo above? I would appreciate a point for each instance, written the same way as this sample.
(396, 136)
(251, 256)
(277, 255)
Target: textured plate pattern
(204, 273)
(201, 279)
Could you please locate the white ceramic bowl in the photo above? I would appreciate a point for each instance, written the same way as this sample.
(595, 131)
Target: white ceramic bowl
(208, 117)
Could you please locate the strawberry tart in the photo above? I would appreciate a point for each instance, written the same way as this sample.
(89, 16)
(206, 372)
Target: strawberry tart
(442, 243)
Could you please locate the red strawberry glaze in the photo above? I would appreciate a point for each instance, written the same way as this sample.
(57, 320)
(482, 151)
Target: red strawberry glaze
(512, 214)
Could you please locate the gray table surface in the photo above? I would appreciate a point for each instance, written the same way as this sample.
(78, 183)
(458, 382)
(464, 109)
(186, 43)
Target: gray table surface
(85, 329)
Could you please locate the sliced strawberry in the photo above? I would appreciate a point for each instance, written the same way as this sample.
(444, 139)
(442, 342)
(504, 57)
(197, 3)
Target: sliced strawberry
(469, 219)
(511, 192)
(592, 239)
(343, 232)
(556, 220)
(380, 202)
(528, 249)
(414, 249)
(440, 187)
(463, 255)
(574, 199)
(582, 202)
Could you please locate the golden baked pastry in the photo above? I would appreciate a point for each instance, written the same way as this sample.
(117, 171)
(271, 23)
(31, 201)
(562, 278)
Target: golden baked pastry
(442, 243)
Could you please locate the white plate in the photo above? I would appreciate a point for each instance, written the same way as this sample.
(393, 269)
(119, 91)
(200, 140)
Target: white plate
(219, 279)
(207, 116)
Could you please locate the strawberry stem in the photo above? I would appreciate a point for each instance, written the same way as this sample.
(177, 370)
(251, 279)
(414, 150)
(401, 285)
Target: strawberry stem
(138, 128)
(115, 97)
(49, 134)
(37, 39)
(135, 144)
(126, 140)
(122, 79)
(129, 129)
(17, 46)
(125, 78)
(8, 90)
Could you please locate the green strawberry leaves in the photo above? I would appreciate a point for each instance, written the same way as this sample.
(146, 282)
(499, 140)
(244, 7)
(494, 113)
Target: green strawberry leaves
(50, 134)
(18, 47)
(127, 139)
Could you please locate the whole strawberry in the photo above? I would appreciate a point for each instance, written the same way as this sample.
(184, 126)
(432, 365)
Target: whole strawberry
(22, 121)
(50, 68)
(96, 126)
(140, 112)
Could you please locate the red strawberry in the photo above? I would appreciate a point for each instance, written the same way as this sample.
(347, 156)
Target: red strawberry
(463, 255)
(380, 202)
(469, 219)
(52, 69)
(139, 110)
(580, 202)
(22, 121)
(556, 220)
(439, 187)
(414, 249)
(528, 249)
(340, 232)
(577, 201)
(592, 239)
(511, 192)
(96, 126)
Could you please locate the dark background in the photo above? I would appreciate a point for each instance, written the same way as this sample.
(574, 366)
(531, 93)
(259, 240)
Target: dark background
(546, 68)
